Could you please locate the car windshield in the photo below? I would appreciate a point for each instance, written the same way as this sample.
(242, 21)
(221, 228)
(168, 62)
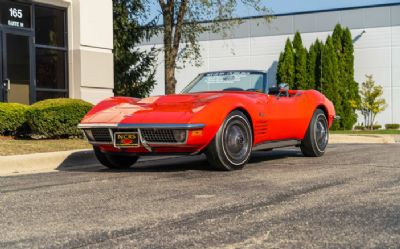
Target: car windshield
(227, 81)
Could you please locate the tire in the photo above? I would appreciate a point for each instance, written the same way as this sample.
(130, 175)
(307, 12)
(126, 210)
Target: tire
(231, 147)
(114, 161)
(316, 140)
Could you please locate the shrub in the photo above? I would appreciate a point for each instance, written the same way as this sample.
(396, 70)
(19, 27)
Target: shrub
(12, 117)
(359, 127)
(376, 127)
(57, 118)
(392, 126)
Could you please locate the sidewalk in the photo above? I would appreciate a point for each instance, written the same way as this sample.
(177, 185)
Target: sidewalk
(363, 139)
(55, 161)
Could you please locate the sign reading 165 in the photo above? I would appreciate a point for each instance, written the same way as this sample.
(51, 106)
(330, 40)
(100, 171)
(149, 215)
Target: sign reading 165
(16, 13)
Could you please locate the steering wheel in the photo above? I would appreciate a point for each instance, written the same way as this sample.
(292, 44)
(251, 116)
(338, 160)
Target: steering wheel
(233, 89)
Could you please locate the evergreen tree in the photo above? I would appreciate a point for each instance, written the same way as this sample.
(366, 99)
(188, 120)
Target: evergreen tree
(314, 65)
(285, 73)
(350, 85)
(330, 77)
(133, 68)
(279, 67)
(300, 63)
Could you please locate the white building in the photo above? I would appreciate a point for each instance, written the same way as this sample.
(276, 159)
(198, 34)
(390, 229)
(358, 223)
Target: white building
(56, 48)
(256, 44)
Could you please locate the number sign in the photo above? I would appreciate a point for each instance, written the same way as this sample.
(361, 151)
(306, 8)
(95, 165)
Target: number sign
(15, 14)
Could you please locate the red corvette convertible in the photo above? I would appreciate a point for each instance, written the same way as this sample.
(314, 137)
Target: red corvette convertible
(226, 115)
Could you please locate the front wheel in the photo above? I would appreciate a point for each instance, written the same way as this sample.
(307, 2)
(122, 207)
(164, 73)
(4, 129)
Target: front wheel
(231, 147)
(316, 140)
(114, 161)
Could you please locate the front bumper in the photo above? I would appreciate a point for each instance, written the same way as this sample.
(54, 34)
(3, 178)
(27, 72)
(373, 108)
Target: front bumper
(152, 137)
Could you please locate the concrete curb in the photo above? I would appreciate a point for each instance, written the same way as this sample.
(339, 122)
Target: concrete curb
(363, 139)
(45, 162)
(53, 161)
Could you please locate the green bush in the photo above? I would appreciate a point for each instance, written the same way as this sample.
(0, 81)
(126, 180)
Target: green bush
(392, 126)
(359, 127)
(57, 118)
(376, 127)
(12, 117)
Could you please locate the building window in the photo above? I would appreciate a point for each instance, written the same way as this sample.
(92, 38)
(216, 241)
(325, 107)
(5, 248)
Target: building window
(51, 53)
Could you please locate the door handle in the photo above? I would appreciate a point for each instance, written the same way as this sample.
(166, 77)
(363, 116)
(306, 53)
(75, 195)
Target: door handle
(6, 84)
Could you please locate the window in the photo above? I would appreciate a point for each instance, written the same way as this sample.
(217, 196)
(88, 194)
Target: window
(51, 53)
(50, 69)
(50, 28)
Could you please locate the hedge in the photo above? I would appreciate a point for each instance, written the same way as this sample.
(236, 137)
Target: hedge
(57, 118)
(12, 117)
(392, 126)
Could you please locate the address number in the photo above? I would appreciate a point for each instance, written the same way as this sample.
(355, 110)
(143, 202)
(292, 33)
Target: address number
(16, 13)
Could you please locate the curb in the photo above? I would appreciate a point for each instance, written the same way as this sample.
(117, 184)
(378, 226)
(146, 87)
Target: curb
(45, 162)
(75, 159)
(363, 139)
(54, 161)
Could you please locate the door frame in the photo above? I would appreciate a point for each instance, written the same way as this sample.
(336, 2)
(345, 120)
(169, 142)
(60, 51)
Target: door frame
(3, 42)
(2, 90)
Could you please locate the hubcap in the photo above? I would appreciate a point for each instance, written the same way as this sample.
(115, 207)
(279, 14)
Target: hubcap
(236, 141)
(321, 134)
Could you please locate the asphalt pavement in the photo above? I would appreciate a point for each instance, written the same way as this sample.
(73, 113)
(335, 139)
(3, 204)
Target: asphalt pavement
(349, 198)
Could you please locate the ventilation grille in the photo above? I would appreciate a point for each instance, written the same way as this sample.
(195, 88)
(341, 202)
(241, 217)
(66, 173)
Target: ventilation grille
(98, 135)
(161, 136)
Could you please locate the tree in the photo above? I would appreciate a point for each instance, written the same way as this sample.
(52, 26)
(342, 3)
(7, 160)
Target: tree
(330, 77)
(182, 25)
(350, 85)
(133, 68)
(300, 63)
(314, 65)
(371, 102)
(286, 71)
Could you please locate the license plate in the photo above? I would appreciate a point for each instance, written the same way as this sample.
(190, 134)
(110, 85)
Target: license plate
(126, 139)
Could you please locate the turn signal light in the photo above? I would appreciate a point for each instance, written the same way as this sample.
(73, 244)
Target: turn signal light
(197, 133)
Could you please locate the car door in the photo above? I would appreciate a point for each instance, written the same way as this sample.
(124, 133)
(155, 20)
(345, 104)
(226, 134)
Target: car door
(285, 116)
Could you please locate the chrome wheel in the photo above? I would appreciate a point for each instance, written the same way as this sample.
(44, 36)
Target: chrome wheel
(236, 141)
(321, 133)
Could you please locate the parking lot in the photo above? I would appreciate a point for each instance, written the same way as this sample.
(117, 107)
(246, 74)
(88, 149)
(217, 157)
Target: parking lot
(349, 198)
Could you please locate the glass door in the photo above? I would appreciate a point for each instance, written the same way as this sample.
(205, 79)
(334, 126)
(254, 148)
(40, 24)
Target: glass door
(3, 84)
(16, 68)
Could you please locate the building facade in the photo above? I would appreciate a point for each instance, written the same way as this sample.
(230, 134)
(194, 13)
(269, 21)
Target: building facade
(256, 44)
(56, 48)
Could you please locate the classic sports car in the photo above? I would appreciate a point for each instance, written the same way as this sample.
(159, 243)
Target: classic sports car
(226, 115)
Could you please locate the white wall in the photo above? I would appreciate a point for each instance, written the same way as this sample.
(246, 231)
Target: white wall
(377, 52)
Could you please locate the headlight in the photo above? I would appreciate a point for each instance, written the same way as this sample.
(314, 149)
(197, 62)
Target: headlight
(180, 135)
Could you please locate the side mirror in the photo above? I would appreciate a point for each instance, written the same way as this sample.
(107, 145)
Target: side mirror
(283, 89)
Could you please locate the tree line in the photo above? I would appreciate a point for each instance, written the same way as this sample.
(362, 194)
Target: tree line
(327, 67)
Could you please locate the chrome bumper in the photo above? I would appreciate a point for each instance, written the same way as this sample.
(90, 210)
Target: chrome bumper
(111, 128)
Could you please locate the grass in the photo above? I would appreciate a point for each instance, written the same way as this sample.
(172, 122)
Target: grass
(10, 146)
(367, 132)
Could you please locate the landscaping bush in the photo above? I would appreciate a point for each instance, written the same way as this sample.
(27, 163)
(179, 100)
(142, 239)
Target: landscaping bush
(57, 118)
(359, 127)
(376, 127)
(392, 126)
(12, 118)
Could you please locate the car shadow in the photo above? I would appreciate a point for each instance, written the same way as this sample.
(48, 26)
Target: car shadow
(86, 162)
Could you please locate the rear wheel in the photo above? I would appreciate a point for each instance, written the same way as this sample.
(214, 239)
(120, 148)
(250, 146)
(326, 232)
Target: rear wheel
(114, 161)
(317, 136)
(231, 147)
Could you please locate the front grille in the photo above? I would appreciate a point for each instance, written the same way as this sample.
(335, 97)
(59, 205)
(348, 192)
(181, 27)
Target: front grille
(99, 135)
(162, 136)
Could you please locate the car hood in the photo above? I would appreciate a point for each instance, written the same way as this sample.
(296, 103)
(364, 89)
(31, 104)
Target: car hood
(169, 109)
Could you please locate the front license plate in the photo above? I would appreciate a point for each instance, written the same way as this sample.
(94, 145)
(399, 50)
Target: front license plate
(126, 139)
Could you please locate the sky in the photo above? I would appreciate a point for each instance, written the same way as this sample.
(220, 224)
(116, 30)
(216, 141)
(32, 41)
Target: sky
(290, 6)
